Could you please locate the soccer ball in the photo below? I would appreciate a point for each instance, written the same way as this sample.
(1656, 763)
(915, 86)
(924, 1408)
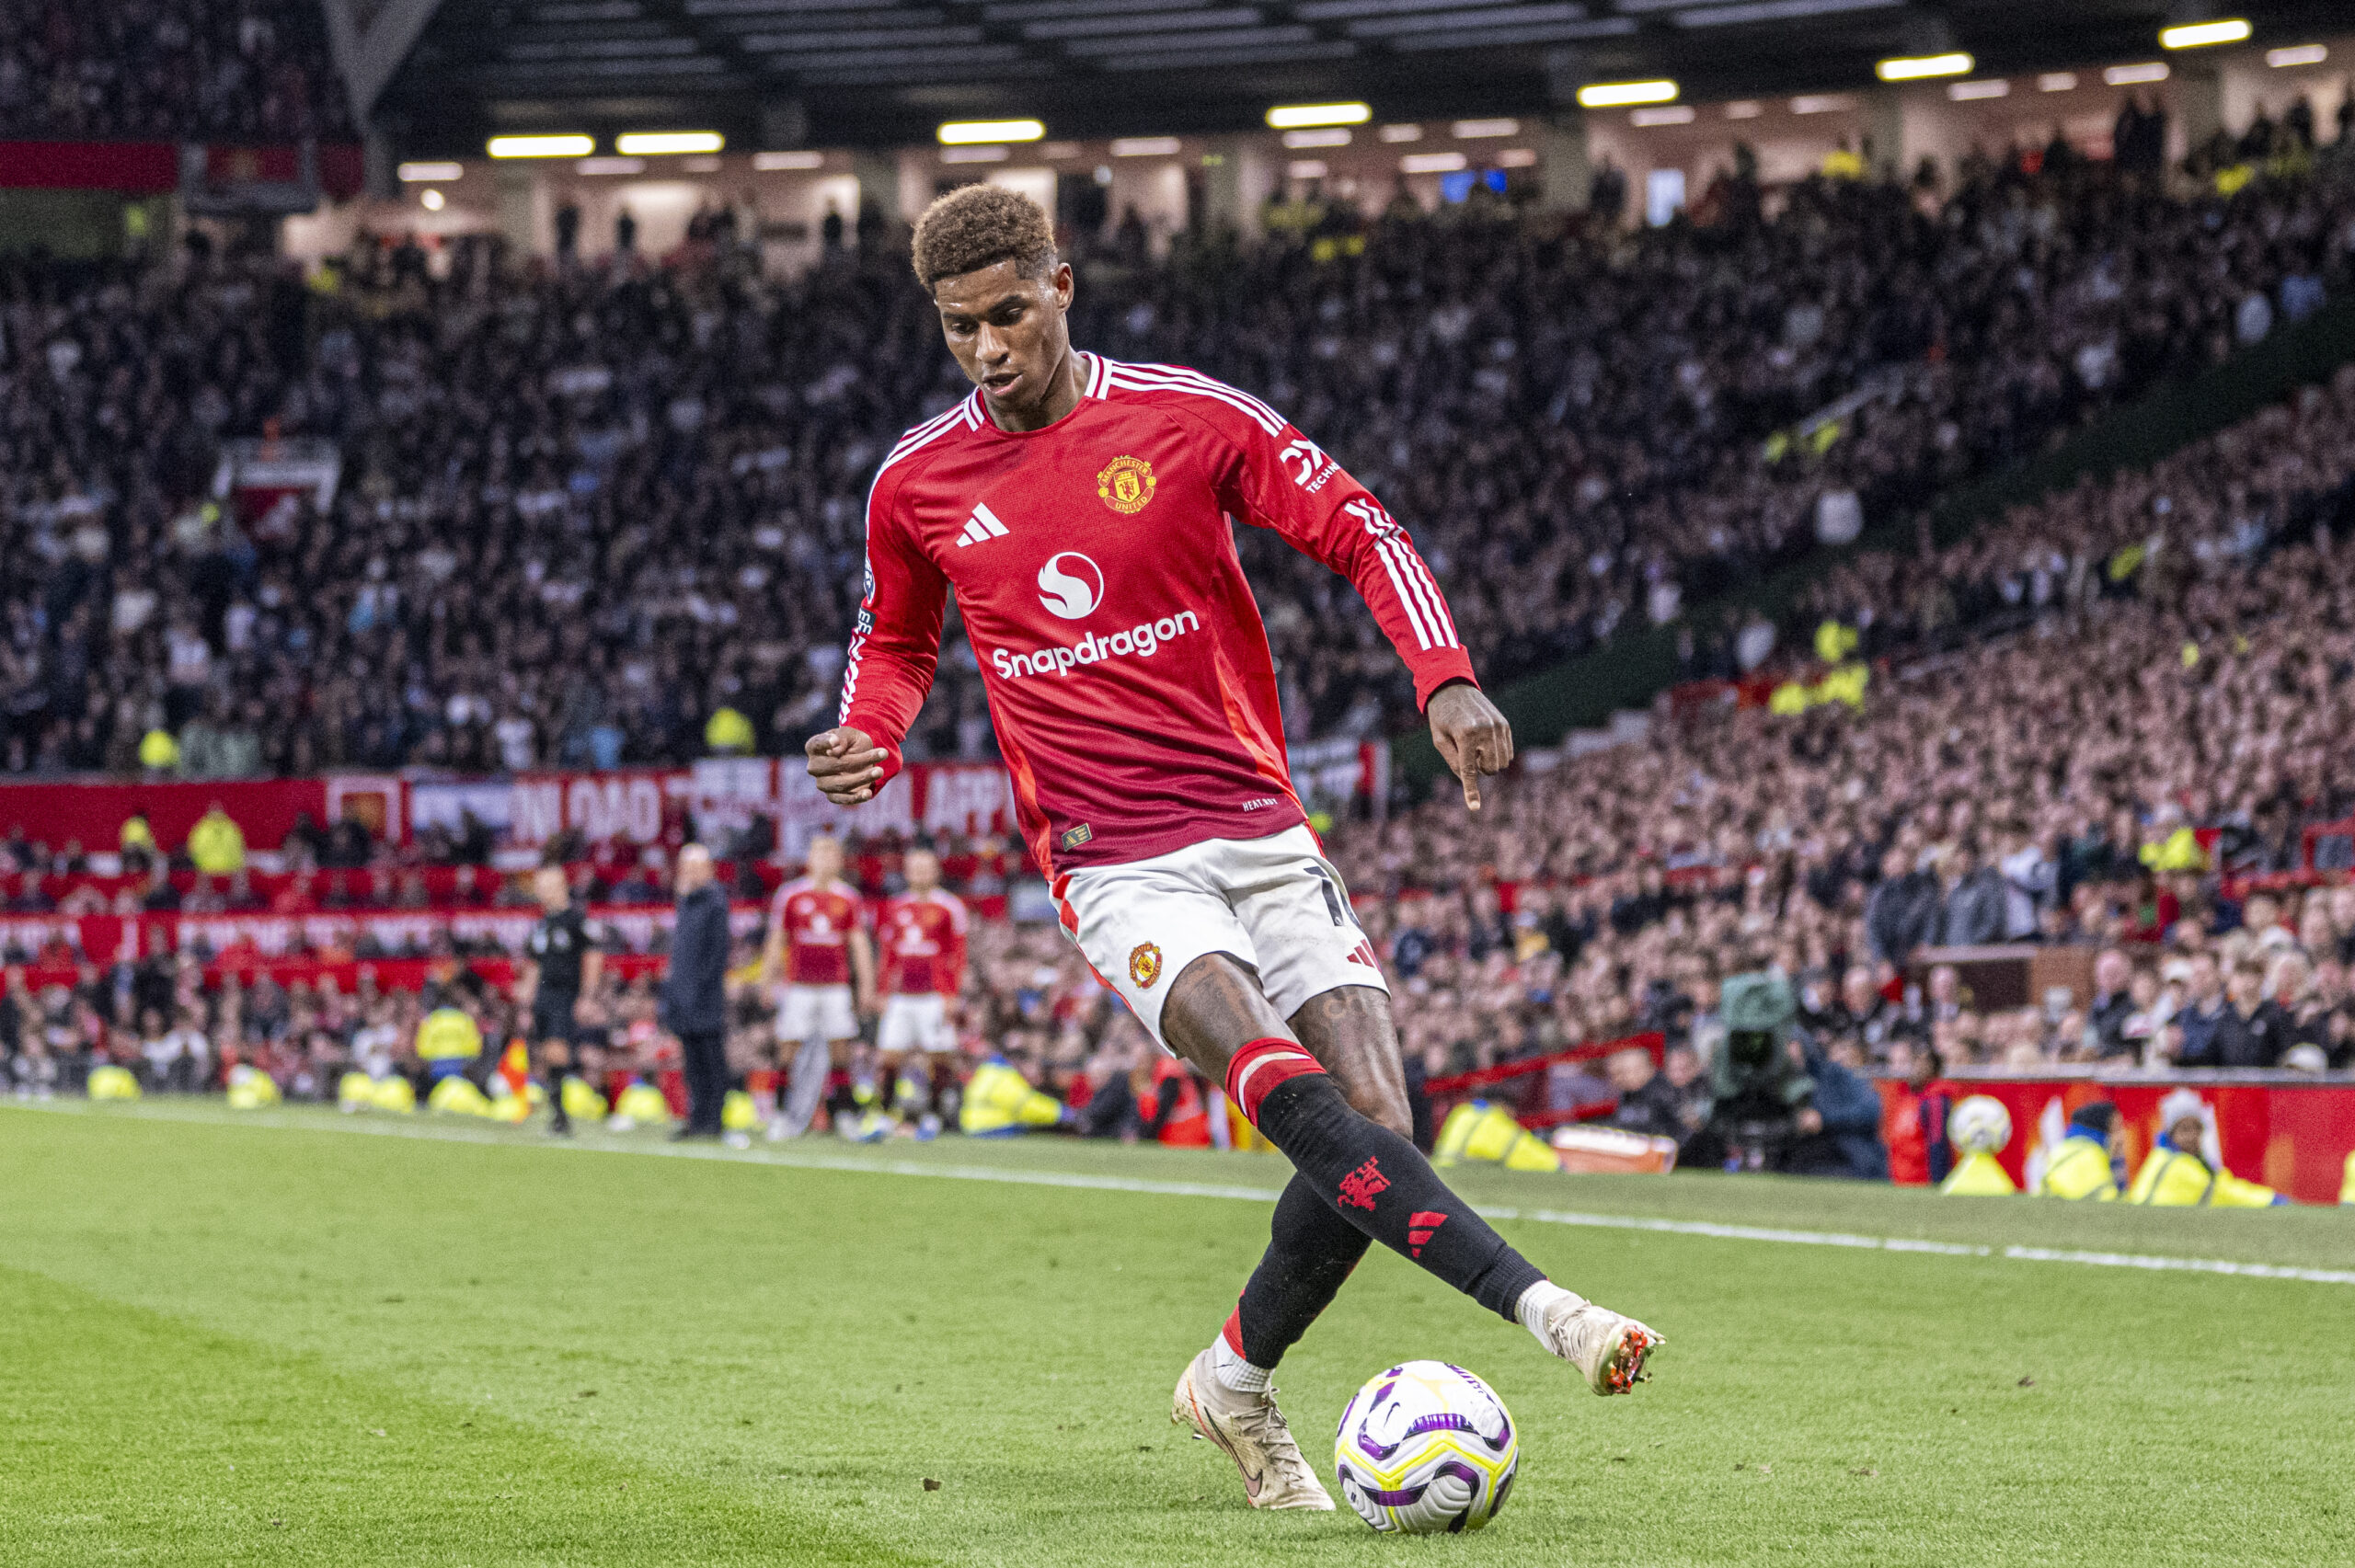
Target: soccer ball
(1980, 1125)
(1425, 1448)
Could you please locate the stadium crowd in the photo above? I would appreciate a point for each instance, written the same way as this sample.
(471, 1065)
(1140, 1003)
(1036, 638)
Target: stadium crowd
(582, 511)
(168, 70)
(2117, 736)
(2116, 732)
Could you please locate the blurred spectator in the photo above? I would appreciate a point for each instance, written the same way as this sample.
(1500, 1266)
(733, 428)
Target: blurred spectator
(582, 512)
(164, 69)
(1914, 1120)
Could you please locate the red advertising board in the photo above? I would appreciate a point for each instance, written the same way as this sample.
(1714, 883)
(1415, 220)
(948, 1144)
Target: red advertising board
(2292, 1135)
(92, 815)
(132, 168)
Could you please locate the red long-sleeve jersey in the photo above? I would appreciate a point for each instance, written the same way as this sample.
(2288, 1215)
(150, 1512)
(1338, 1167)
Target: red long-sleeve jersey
(1127, 668)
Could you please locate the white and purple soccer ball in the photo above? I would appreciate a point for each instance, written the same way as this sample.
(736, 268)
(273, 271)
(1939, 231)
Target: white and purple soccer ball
(1425, 1448)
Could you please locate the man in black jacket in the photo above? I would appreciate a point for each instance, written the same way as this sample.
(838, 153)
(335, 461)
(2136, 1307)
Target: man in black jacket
(2256, 1029)
(695, 999)
(1905, 910)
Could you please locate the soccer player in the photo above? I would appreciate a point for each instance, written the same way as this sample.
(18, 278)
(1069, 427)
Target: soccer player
(563, 961)
(922, 935)
(1081, 509)
(818, 943)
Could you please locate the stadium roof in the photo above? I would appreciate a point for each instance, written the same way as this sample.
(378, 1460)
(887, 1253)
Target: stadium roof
(848, 73)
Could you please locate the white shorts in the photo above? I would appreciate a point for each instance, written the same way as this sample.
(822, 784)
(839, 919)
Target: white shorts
(916, 1024)
(1275, 903)
(816, 1012)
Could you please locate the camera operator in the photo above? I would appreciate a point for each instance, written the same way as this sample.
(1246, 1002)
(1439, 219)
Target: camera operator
(1781, 1103)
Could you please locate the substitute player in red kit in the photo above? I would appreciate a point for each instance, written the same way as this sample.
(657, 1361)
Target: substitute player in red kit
(818, 945)
(1081, 509)
(922, 935)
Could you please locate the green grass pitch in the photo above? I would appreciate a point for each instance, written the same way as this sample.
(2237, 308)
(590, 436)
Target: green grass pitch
(274, 1340)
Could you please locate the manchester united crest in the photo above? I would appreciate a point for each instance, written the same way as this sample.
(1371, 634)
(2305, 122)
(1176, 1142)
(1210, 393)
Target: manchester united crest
(1145, 965)
(1126, 485)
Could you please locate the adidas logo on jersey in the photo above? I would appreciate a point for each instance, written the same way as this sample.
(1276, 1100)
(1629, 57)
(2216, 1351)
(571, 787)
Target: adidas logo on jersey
(981, 527)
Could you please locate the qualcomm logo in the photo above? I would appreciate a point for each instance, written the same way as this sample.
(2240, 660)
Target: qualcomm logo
(1070, 584)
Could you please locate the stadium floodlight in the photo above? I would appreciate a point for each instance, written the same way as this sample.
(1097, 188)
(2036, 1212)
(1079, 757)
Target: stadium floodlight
(602, 166)
(1400, 133)
(430, 200)
(769, 161)
(2131, 76)
(431, 173)
(1670, 114)
(1332, 136)
(1478, 130)
(975, 154)
(1145, 147)
(1296, 116)
(1621, 94)
(1744, 108)
(2297, 55)
(2057, 82)
(973, 132)
(660, 144)
(1916, 67)
(2202, 35)
(1965, 92)
(1307, 169)
(566, 146)
(1433, 163)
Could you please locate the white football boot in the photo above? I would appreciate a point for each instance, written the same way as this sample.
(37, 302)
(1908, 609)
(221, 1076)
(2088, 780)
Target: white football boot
(1609, 1349)
(1252, 1430)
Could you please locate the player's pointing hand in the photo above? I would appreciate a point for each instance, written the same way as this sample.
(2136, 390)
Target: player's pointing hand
(1473, 738)
(846, 764)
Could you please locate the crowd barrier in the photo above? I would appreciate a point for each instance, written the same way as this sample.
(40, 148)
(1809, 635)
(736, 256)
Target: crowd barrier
(2284, 1129)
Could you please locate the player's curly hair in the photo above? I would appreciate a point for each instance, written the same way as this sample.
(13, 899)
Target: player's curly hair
(979, 226)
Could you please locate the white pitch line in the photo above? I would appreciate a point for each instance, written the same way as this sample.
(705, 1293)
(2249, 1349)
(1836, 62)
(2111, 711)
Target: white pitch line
(810, 1161)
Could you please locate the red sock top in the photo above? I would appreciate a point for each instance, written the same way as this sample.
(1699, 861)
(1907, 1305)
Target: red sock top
(1259, 1067)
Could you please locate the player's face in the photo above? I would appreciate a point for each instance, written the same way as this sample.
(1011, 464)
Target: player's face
(923, 870)
(825, 859)
(1007, 331)
(548, 887)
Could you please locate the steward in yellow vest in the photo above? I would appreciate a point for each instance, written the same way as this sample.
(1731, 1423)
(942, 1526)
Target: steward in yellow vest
(1000, 1102)
(2086, 1164)
(216, 845)
(2175, 1176)
(448, 1042)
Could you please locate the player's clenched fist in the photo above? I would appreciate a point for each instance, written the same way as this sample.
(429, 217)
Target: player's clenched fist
(1473, 738)
(846, 764)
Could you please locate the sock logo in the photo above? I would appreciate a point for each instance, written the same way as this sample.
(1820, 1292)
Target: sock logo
(1422, 1226)
(1360, 1188)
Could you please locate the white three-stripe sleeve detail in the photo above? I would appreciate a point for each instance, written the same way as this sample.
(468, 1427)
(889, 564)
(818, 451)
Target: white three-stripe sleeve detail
(1438, 600)
(1187, 374)
(1131, 379)
(1405, 562)
(921, 436)
(1407, 600)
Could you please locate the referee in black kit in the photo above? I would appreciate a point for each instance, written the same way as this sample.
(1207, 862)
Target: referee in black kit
(564, 962)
